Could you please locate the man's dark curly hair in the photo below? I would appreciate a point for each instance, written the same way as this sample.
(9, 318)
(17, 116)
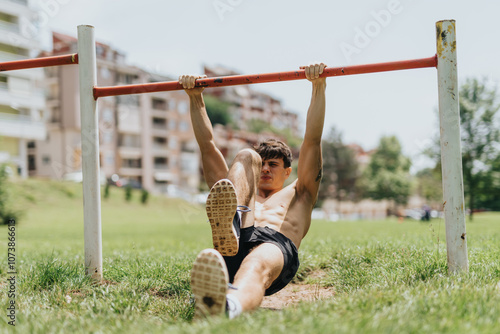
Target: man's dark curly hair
(275, 149)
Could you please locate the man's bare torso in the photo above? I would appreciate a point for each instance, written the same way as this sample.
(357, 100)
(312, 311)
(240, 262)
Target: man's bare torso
(285, 211)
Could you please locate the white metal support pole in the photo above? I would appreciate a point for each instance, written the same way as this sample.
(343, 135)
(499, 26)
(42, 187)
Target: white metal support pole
(451, 152)
(90, 152)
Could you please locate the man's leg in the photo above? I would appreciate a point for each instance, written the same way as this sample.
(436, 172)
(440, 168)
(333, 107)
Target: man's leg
(209, 281)
(244, 173)
(257, 272)
(238, 189)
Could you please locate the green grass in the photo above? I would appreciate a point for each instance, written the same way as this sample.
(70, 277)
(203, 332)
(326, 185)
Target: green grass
(388, 277)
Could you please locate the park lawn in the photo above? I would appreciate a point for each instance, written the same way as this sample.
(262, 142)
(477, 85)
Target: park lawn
(389, 277)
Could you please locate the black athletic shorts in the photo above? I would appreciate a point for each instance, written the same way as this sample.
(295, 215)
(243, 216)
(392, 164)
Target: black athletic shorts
(254, 236)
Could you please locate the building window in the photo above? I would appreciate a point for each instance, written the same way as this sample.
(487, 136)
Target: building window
(172, 143)
(131, 163)
(188, 163)
(182, 107)
(159, 104)
(105, 73)
(46, 159)
(188, 146)
(159, 123)
(160, 163)
(125, 78)
(3, 81)
(172, 124)
(129, 100)
(183, 126)
(173, 163)
(31, 162)
(55, 116)
(31, 144)
(159, 142)
(128, 140)
(110, 159)
(100, 51)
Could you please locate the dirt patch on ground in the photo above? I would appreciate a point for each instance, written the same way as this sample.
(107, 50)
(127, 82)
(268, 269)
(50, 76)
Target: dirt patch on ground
(292, 294)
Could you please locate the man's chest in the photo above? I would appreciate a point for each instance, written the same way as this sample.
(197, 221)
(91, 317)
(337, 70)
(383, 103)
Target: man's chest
(275, 206)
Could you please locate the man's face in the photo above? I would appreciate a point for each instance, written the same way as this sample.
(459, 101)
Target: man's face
(273, 174)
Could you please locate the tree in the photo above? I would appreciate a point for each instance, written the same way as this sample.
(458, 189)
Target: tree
(489, 187)
(217, 110)
(256, 125)
(340, 170)
(480, 136)
(429, 184)
(388, 174)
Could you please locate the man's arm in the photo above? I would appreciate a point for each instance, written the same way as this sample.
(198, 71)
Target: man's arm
(310, 169)
(214, 165)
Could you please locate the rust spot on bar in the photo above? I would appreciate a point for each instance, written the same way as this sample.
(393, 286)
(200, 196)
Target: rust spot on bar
(463, 236)
(439, 38)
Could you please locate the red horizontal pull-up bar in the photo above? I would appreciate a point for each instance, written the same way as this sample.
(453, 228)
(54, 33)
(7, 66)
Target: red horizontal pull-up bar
(39, 62)
(266, 77)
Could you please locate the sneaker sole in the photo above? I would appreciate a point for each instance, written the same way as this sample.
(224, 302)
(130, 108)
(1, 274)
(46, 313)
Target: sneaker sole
(209, 281)
(221, 208)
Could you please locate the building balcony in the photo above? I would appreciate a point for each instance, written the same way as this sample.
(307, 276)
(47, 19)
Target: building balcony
(159, 113)
(7, 56)
(160, 131)
(11, 36)
(10, 27)
(160, 167)
(129, 171)
(160, 150)
(129, 120)
(21, 126)
(130, 152)
(33, 100)
(20, 2)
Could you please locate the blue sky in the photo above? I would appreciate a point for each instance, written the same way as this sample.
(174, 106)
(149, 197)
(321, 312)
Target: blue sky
(178, 37)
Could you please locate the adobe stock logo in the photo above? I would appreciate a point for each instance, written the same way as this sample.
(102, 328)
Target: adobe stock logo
(226, 6)
(364, 36)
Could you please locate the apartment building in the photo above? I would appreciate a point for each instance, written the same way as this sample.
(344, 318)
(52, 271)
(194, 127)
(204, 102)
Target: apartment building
(145, 139)
(249, 104)
(22, 102)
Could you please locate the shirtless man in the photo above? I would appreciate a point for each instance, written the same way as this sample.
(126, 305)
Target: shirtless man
(258, 243)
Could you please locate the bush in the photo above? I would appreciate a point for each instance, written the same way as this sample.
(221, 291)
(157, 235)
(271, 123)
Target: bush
(128, 192)
(144, 196)
(106, 191)
(6, 212)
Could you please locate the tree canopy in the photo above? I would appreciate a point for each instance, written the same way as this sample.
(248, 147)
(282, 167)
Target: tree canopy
(387, 175)
(340, 170)
(480, 142)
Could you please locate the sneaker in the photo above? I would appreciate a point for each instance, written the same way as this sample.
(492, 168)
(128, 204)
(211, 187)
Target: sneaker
(209, 282)
(221, 210)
